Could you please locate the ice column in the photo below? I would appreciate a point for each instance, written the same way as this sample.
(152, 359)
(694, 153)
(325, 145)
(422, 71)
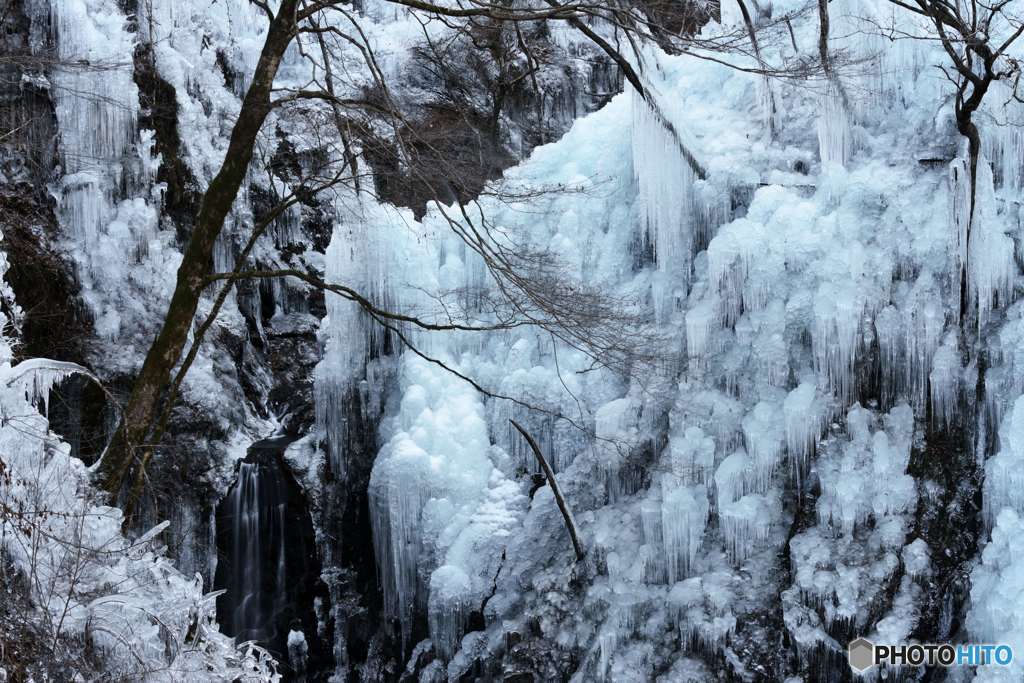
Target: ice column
(448, 609)
(745, 523)
(684, 516)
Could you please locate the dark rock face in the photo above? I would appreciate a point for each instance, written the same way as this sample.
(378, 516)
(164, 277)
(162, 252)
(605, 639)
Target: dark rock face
(54, 323)
(28, 147)
(267, 559)
(159, 113)
(366, 648)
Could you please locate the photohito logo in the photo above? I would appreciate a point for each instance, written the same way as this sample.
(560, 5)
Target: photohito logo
(863, 654)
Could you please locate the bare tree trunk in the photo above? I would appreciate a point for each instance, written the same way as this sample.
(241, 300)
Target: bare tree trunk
(752, 33)
(557, 492)
(968, 129)
(155, 375)
(824, 28)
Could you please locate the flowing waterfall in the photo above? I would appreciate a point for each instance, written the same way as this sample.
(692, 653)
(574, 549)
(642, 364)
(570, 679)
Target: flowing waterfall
(268, 565)
(258, 533)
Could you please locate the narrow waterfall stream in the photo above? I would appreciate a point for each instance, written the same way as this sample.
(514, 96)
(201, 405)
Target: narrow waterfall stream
(267, 562)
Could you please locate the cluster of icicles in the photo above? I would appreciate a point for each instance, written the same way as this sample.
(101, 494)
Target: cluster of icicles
(918, 360)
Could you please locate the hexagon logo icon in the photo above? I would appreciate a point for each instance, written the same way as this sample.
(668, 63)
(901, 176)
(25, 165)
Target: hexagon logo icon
(861, 653)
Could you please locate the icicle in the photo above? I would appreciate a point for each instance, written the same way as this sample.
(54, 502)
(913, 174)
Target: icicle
(448, 609)
(701, 608)
(991, 265)
(837, 318)
(85, 207)
(764, 434)
(396, 501)
(730, 477)
(684, 515)
(665, 190)
(959, 214)
(835, 131)
(726, 272)
(805, 419)
(650, 522)
(714, 208)
(1004, 472)
(1002, 140)
(287, 229)
(890, 334)
(691, 457)
(607, 642)
(769, 345)
(652, 559)
(36, 378)
(628, 610)
(699, 325)
(616, 427)
(927, 320)
(356, 256)
(945, 383)
(745, 523)
(95, 98)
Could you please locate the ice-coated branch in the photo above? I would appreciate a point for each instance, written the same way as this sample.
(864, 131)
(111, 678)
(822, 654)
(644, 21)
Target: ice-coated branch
(37, 376)
(557, 492)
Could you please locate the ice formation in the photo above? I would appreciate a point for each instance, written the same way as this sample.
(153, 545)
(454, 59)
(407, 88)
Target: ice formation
(691, 456)
(944, 382)
(684, 515)
(818, 295)
(730, 477)
(438, 504)
(35, 378)
(835, 129)
(108, 198)
(868, 478)
(997, 587)
(745, 523)
(665, 188)
(448, 609)
(805, 415)
(764, 435)
(1004, 472)
(125, 595)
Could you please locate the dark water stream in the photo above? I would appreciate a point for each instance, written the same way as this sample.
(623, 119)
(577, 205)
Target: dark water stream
(267, 561)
